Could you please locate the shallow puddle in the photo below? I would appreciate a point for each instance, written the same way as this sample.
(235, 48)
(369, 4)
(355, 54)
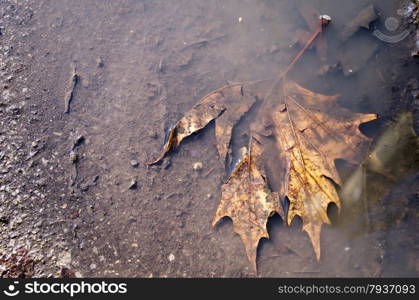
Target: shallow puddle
(143, 64)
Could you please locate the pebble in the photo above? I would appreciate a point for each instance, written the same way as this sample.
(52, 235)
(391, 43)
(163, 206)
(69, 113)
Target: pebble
(197, 166)
(134, 163)
(78, 141)
(99, 62)
(133, 184)
(171, 257)
(73, 157)
(153, 135)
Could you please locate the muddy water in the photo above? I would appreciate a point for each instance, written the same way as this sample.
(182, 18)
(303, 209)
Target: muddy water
(141, 65)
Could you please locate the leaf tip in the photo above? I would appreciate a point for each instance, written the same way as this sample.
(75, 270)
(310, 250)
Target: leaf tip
(314, 230)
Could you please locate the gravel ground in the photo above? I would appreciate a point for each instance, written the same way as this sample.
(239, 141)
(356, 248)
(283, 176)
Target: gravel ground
(30, 217)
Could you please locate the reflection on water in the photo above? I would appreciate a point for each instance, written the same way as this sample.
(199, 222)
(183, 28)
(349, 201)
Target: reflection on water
(392, 160)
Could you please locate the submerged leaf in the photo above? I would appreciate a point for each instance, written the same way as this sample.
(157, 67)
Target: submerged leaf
(206, 110)
(396, 150)
(240, 102)
(363, 19)
(313, 131)
(248, 201)
(295, 141)
(228, 104)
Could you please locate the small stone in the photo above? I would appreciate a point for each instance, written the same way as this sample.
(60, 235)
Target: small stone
(82, 245)
(84, 187)
(153, 135)
(197, 166)
(134, 163)
(89, 210)
(78, 141)
(74, 157)
(161, 65)
(171, 257)
(133, 184)
(4, 220)
(99, 62)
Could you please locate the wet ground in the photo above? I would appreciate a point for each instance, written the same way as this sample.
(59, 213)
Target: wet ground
(89, 87)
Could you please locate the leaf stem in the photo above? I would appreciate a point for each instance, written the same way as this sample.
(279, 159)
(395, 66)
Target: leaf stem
(324, 21)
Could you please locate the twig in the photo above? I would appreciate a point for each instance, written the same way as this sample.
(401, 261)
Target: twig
(324, 21)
